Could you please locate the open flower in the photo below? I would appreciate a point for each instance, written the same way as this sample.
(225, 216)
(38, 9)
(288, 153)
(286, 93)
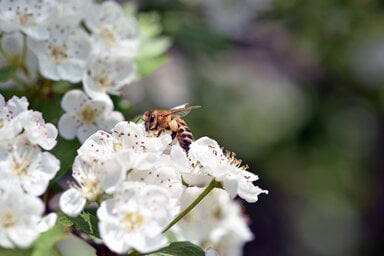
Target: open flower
(108, 73)
(27, 165)
(94, 176)
(74, 9)
(21, 217)
(216, 222)
(135, 218)
(162, 175)
(29, 16)
(84, 115)
(63, 55)
(112, 30)
(224, 167)
(37, 131)
(128, 143)
(16, 54)
(10, 124)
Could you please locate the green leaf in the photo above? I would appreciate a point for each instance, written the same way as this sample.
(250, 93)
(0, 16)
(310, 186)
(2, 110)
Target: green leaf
(86, 223)
(15, 252)
(64, 220)
(91, 222)
(180, 249)
(152, 45)
(149, 24)
(7, 72)
(147, 66)
(45, 244)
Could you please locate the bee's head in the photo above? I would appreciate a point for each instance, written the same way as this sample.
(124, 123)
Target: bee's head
(150, 120)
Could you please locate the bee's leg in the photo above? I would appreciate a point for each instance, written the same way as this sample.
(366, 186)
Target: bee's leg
(159, 133)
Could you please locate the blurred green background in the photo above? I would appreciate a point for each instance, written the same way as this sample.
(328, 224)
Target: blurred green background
(295, 88)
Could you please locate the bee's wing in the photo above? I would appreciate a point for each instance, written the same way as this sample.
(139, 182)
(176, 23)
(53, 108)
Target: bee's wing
(182, 110)
(182, 106)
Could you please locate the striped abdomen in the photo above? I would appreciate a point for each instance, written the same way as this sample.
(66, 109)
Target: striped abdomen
(183, 134)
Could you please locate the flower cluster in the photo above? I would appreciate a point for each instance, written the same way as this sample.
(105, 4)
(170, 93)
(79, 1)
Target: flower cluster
(75, 41)
(64, 48)
(140, 182)
(25, 171)
(217, 222)
(143, 185)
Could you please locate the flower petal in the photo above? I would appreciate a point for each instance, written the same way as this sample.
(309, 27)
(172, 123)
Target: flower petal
(72, 202)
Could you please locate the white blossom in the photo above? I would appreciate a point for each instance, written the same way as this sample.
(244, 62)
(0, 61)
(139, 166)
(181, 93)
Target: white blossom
(21, 217)
(225, 168)
(29, 16)
(37, 131)
(72, 202)
(105, 159)
(135, 218)
(161, 175)
(112, 31)
(27, 165)
(129, 143)
(108, 73)
(10, 124)
(217, 222)
(94, 176)
(16, 54)
(63, 55)
(74, 9)
(16, 118)
(84, 115)
(193, 173)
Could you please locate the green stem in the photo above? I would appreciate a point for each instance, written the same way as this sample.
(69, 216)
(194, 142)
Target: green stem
(213, 184)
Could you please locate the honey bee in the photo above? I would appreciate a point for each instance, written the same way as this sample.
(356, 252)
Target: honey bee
(170, 120)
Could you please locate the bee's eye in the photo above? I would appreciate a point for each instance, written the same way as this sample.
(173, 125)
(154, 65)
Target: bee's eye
(152, 118)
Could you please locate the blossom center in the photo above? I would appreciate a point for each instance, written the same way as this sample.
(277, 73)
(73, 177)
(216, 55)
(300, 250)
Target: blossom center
(104, 81)
(27, 20)
(91, 189)
(58, 53)
(88, 115)
(108, 36)
(117, 146)
(21, 168)
(133, 220)
(8, 220)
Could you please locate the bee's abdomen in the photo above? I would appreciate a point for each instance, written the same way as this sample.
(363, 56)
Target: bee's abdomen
(184, 135)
